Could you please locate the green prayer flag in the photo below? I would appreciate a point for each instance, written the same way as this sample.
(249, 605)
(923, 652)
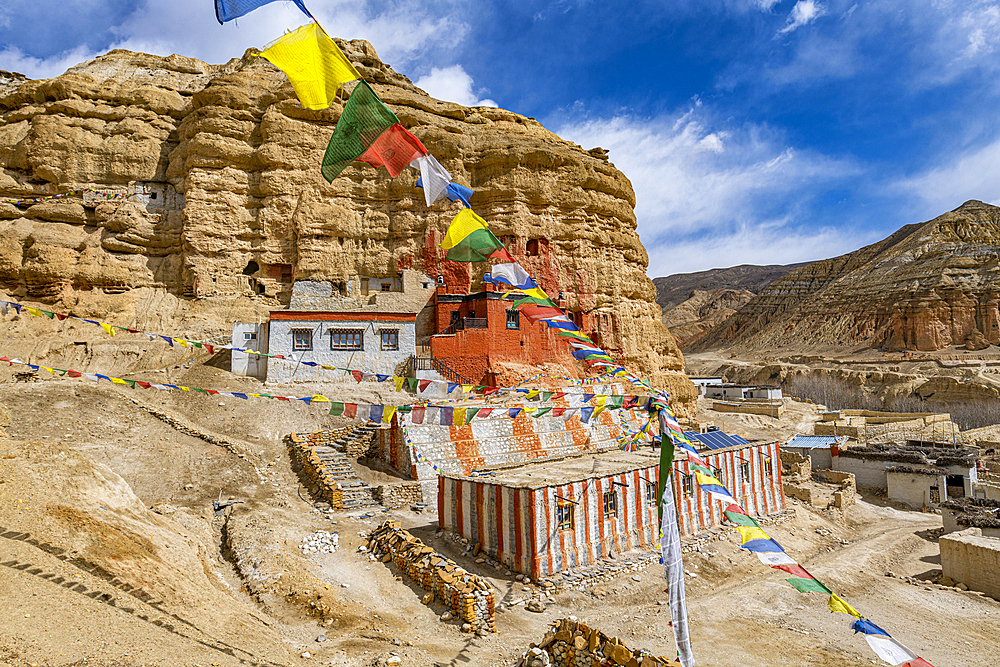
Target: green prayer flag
(807, 585)
(336, 409)
(362, 121)
(412, 383)
(541, 411)
(741, 519)
(470, 413)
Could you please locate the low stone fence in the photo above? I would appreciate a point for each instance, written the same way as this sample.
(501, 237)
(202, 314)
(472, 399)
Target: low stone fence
(770, 410)
(398, 495)
(469, 597)
(352, 447)
(572, 644)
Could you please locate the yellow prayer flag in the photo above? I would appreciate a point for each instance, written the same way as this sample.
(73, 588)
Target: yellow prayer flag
(51, 371)
(33, 311)
(313, 63)
(181, 342)
(387, 413)
(108, 329)
(837, 604)
(704, 479)
(533, 393)
(465, 223)
(748, 533)
(458, 419)
(398, 381)
(598, 401)
(319, 398)
(467, 388)
(118, 381)
(184, 388)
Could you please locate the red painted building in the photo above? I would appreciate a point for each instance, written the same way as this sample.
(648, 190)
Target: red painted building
(476, 332)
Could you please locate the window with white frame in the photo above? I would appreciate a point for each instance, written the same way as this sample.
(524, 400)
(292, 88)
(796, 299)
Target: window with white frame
(610, 504)
(745, 471)
(564, 515)
(687, 485)
(347, 339)
(651, 494)
(390, 339)
(302, 339)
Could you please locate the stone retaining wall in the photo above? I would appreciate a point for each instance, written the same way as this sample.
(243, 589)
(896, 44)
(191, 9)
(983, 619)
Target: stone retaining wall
(399, 495)
(308, 460)
(354, 448)
(570, 643)
(469, 597)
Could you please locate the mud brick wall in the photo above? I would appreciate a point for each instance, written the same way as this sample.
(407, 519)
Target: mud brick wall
(573, 644)
(399, 495)
(469, 597)
(311, 467)
(974, 560)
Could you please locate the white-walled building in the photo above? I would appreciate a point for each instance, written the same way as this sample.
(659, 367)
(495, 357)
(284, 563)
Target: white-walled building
(365, 341)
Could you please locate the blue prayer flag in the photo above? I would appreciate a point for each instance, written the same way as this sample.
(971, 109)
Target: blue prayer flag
(227, 10)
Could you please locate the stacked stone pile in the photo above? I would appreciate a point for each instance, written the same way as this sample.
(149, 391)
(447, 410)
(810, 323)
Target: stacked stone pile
(570, 643)
(399, 495)
(320, 542)
(354, 441)
(468, 597)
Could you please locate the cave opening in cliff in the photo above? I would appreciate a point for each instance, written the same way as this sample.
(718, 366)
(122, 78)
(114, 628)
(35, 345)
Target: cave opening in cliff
(252, 268)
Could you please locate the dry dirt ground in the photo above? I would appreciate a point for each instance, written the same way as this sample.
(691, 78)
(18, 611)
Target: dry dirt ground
(111, 554)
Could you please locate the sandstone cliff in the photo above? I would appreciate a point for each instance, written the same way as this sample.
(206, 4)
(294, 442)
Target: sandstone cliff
(229, 209)
(926, 287)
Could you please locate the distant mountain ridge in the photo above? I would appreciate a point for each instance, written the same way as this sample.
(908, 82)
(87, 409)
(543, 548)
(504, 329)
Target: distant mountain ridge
(673, 290)
(927, 286)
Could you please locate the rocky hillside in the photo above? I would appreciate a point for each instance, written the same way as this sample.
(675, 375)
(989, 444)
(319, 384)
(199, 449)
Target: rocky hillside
(692, 319)
(231, 207)
(927, 287)
(673, 290)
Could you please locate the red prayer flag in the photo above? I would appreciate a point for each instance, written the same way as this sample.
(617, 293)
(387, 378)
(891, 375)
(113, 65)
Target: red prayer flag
(74, 374)
(61, 316)
(417, 416)
(559, 394)
(795, 571)
(538, 313)
(484, 413)
(557, 412)
(395, 149)
(351, 409)
(211, 391)
(357, 375)
(144, 385)
(919, 662)
(211, 349)
(421, 386)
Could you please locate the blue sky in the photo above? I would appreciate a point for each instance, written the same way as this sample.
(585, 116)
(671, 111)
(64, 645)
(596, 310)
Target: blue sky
(754, 131)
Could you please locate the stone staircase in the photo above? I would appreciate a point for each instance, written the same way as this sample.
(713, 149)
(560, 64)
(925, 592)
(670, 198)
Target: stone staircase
(328, 466)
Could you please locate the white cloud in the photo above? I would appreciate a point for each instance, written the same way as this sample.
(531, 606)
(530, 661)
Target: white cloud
(774, 243)
(452, 84)
(696, 184)
(804, 12)
(13, 60)
(402, 33)
(766, 5)
(970, 175)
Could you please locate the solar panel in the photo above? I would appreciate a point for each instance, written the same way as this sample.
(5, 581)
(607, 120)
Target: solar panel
(716, 439)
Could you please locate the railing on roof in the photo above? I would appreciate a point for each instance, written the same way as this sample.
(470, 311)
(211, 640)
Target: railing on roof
(464, 323)
(441, 368)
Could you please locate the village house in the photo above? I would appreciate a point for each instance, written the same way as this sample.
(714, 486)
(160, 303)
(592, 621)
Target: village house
(740, 392)
(819, 448)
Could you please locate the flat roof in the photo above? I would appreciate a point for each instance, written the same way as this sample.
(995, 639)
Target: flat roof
(342, 316)
(591, 465)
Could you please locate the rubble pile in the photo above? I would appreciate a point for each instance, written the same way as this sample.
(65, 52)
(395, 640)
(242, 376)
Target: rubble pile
(570, 643)
(320, 542)
(468, 597)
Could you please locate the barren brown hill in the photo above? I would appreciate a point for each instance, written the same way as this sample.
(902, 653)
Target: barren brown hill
(674, 289)
(928, 286)
(692, 319)
(233, 207)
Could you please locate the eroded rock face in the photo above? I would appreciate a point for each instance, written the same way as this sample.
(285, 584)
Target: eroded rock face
(927, 287)
(231, 202)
